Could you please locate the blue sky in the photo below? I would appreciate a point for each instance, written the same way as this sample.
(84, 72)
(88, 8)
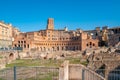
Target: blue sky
(32, 15)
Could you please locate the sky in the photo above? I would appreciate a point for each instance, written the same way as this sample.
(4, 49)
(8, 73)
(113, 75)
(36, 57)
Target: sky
(32, 15)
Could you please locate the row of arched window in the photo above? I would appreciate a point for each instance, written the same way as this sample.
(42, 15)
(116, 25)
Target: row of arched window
(59, 44)
(58, 48)
(55, 38)
(90, 44)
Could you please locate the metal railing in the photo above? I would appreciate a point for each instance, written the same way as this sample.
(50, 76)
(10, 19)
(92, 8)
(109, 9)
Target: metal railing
(30, 73)
(91, 75)
(80, 72)
(109, 74)
(52, 73)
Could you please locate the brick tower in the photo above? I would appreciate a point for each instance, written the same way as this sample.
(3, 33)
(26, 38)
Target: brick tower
(50, 24)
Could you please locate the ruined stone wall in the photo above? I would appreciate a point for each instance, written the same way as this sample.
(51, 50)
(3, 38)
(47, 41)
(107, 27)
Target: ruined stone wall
(114, 39)
(88, 42)
(7, 57)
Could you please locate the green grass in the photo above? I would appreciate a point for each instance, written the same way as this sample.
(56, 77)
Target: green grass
(46, 76)
(46, 63)
(1, 79)
(74, 60)
(30, 62)
(1, 57)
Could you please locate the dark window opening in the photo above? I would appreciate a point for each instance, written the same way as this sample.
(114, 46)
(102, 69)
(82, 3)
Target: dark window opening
(21, 41)
(57, 48)
(96, 34)
(18, 41)
(87, 45)
(28, 45)
(18, 45)
(90, 43)
(116, 31)
(15, 45)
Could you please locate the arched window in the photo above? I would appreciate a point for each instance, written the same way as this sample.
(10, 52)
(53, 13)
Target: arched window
(90, 43)
(87, 45)
(28, 45)
(93, 44)
(58, 48)
(11, 56)
(40, 48)
(44, 49)
(52, 48)
(15, 45)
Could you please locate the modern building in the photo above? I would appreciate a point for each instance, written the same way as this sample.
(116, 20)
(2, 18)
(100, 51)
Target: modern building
(55, 40)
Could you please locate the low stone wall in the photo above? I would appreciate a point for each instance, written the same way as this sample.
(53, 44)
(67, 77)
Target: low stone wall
(77, 72)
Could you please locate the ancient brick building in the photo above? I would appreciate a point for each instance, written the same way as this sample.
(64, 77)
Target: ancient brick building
(106, 36)
(114, 36)
(7, 31)
(5, 35)
(55, 40)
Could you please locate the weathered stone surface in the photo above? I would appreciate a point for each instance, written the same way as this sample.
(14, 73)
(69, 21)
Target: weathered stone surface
(106, 60)
(7, 57)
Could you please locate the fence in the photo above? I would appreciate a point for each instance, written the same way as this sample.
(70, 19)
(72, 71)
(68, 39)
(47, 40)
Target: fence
(112, 74)
(80, 72)
(77, 72)
(90, 75)
(30, 73)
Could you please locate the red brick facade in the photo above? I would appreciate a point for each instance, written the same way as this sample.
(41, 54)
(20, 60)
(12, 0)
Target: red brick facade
(55, 40)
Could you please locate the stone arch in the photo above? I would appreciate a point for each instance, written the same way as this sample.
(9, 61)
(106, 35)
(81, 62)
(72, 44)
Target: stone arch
(101, 70)
(57, 48)
(93, 44)
(114, 74)
(44, 49)
(40, 48)
(87, 45)
(11, 56)
(53, 49)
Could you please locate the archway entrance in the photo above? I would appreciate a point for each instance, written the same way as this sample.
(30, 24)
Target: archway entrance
(11, 56)
(101, 70)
